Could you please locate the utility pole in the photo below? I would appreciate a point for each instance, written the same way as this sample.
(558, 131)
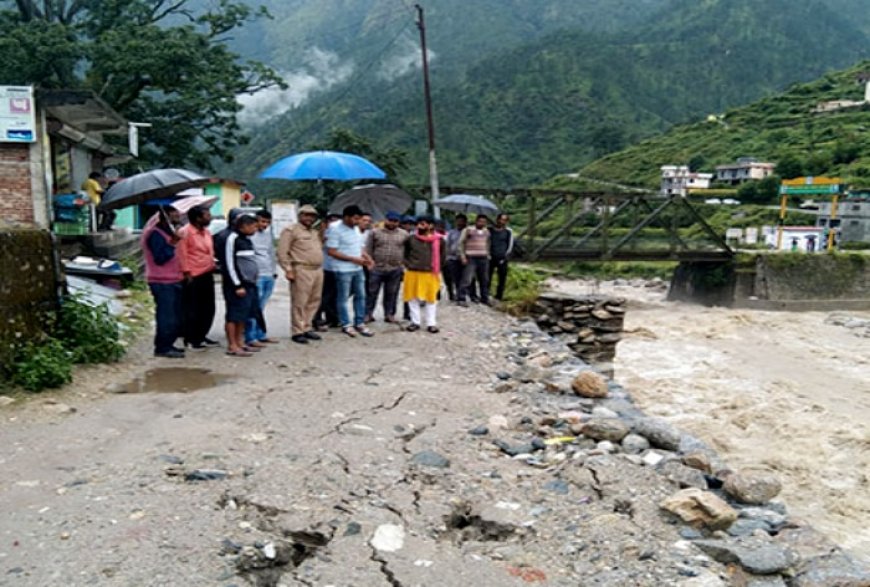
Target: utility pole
(433, 164)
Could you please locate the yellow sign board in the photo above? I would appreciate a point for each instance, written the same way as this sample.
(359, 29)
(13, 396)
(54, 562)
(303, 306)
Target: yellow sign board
(799, 181)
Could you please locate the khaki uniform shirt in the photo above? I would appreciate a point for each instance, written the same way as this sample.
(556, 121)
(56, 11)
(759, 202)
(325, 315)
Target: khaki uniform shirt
(300, 247)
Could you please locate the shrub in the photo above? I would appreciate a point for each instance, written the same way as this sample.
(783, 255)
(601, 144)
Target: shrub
(42, 365)
(90, 333)
(523, 287)
(855, 246)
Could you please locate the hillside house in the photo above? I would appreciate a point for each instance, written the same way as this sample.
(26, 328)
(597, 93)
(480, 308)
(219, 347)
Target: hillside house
(745, 169)
(835, 105)
(853, 217)
(678, 180)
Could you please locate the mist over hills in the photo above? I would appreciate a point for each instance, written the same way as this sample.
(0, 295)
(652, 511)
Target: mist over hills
(525, 90)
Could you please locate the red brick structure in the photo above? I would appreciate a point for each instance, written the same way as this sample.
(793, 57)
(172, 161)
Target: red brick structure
(16, 190)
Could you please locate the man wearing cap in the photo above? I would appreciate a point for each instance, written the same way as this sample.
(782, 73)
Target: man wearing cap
(300, 254)
(346, 245)
(386, 247)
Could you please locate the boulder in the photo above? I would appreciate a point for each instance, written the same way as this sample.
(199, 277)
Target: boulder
(752, 488)
(590, 384)
(700, 508)
(659, 433)
(760, 559)
(611, 429)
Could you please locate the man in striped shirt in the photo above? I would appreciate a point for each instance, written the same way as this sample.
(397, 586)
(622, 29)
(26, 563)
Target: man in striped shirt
(474, 256)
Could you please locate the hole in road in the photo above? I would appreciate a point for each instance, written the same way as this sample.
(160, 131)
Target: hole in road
(175, 380)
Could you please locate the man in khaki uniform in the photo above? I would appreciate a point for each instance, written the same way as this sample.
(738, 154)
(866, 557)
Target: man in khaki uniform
(300, 254)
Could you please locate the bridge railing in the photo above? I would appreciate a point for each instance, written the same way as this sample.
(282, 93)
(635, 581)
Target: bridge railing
(563, 224)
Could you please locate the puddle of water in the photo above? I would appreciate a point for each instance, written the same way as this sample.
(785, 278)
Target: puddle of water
(175, 380)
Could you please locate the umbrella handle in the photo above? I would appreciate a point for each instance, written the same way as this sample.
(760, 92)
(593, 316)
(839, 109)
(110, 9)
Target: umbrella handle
(164, 221)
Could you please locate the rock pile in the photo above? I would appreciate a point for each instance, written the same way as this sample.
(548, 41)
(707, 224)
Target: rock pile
(590, 325)
(586, 430)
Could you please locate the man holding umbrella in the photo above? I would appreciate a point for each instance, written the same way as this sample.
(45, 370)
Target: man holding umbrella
(164, 276)
(300, 254)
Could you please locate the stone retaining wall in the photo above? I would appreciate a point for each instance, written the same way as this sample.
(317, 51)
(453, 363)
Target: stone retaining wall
(28, 284)
(591, 326)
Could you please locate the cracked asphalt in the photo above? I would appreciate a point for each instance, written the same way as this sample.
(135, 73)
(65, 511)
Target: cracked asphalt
(304, 465)
(322, 433)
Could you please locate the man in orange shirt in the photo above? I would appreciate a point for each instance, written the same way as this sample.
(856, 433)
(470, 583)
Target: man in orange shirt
(196, 254)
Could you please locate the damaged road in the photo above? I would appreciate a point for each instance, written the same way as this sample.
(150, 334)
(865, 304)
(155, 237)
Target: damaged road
(348, 463)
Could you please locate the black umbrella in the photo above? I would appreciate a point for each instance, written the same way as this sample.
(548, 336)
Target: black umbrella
(151, 185)
(376, 199)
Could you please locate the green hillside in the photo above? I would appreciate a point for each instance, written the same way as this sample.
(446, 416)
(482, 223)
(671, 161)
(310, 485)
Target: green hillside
(778, 128)
(460, 31)
(519, 116)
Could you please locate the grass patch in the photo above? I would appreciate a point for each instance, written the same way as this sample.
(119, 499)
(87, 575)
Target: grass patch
(524, 285)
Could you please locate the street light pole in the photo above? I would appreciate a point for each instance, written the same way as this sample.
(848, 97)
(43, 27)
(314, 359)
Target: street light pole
(433, 164)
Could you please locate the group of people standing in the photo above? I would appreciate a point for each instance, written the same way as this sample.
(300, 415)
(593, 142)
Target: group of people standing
(338, 264)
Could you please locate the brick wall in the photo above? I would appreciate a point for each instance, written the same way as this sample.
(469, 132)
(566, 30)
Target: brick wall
(16, 194)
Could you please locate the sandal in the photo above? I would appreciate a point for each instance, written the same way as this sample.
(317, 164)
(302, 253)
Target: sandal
(433, 330)
(240, 353)
(255, 344)
(251, 349)
(412, 327)
(349, 330)
(269, 340)
(364, 331)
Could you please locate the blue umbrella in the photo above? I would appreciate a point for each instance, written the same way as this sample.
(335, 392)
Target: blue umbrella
(319, 165)
(466, 203)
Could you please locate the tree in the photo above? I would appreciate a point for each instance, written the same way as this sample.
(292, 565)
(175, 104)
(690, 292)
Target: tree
(789, 167)
(154, 61)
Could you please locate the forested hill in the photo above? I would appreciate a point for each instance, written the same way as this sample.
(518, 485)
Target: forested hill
(522, 115)
(779, 128)
(460, 31)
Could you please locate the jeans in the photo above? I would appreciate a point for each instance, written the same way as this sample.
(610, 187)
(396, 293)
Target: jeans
(265, 286)
(499, 265)
(347, 283)
(199, 308)
(392, 281)
(167, 314)
(477, 268)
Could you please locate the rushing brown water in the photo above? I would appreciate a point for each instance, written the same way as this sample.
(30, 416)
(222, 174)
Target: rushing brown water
(786, 392)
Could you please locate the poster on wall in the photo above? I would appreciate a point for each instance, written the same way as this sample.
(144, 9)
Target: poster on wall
(283, 215)
(17, 114)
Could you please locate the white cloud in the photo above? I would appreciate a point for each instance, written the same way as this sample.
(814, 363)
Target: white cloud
(407, 59)
(323, 69)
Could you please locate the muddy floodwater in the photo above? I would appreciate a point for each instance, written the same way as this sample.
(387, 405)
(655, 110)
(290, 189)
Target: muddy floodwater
(785, 392)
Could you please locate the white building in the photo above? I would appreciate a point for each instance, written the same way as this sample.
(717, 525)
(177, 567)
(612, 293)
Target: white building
(805, 239)
(834, 105)
(678, 180)
(745, 169)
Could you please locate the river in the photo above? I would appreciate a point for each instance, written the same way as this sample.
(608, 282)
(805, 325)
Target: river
(784, 392)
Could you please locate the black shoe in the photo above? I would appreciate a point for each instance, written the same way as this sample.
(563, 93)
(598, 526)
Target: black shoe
(209, 342)
(300, 338)
(311, 335)
(178, 349)
(198, 346)
(412, 327)
(171, 354)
